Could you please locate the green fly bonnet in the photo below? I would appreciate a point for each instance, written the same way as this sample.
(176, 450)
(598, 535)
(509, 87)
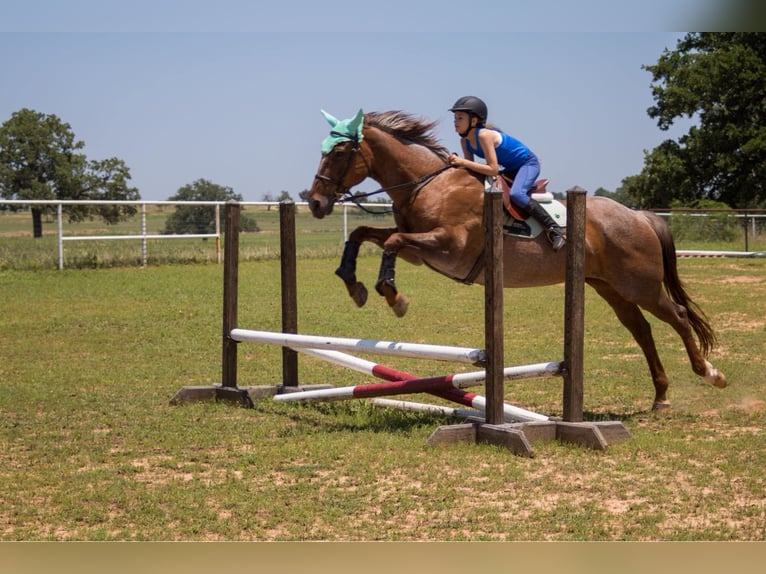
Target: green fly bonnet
(342, 130)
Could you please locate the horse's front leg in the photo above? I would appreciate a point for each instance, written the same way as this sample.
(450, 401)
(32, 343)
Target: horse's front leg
(347, 269)
(347, 272)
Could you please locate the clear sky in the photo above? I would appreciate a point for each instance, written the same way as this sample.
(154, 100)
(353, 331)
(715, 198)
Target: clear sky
(232, 93)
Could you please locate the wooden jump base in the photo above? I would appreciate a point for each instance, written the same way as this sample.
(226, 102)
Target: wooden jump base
(494, 429)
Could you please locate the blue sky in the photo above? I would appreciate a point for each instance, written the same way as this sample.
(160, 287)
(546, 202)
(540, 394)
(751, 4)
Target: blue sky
(182, 91)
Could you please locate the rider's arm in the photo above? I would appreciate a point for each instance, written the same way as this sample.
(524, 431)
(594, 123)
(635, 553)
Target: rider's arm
(487, 143)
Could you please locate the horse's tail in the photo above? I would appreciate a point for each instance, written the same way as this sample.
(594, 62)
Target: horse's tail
(675, 288)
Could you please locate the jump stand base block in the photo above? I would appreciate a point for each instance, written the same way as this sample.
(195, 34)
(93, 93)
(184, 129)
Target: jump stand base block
(516, 437)
(213, 393)
(242, 396)
(520, 437)
(598, 435)
(509, 435)
(453, 434)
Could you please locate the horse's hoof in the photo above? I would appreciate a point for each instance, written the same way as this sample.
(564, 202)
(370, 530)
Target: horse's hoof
(661, 405)
(715, 377)
(358, 293)
(719, 381)
(400, 306)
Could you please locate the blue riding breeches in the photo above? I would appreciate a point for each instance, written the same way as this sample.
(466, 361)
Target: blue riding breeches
(524, 181)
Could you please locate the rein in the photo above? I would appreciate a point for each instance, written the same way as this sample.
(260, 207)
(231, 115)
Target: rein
(421, 181)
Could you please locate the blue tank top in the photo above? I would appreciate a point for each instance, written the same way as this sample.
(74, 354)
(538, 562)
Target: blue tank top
(511, 153)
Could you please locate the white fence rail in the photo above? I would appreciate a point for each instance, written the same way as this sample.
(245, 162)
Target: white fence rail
(143, 235)
(752, 217)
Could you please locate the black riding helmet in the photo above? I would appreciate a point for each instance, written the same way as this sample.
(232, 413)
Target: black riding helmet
(472, 105)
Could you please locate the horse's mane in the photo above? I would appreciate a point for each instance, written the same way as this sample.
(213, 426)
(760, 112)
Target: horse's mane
(418, 130)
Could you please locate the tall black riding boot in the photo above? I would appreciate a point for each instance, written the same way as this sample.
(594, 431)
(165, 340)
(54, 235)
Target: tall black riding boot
(554, 231)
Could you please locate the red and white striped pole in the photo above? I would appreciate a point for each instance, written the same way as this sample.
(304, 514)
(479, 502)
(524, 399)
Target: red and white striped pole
(399, 382)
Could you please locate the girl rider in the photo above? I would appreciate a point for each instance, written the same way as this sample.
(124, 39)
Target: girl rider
(500, 150)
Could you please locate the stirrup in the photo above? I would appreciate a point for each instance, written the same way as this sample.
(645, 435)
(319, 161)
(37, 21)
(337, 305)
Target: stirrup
(556, 237)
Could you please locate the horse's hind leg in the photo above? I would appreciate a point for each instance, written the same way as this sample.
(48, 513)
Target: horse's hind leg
(387, 287)
(633, 319)
(677, 316)
(347, 272)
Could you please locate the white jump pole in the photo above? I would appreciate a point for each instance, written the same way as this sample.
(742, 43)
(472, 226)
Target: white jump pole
(426, 408)
(414, 350)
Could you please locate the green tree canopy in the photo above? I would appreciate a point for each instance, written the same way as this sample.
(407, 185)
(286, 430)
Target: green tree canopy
(200, 219)
(718, 80)
(40, 159)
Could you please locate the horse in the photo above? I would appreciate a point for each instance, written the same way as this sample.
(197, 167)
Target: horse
(630, 256)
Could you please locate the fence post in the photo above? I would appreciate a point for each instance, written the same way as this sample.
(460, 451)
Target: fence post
(747, 247)
(574, 305)
(289, 289)
(230, 291)
(143, 235)
(218, 233)
(59, 217)
(493, 306)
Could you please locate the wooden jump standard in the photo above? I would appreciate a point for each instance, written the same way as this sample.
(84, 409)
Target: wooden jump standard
(494, 429)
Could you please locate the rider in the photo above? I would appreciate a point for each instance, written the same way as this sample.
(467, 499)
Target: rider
(502, 153)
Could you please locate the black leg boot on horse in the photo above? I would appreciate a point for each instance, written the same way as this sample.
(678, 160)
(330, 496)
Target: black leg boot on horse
(386, 286)
(347, 272)
(553, 230)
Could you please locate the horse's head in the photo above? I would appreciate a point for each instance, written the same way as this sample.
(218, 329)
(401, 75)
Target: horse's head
(342, 165)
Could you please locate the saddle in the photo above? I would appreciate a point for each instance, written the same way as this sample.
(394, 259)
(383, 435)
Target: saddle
(520, 224)
(539, 193)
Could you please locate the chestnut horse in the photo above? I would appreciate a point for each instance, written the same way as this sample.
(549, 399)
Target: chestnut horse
(630, 257)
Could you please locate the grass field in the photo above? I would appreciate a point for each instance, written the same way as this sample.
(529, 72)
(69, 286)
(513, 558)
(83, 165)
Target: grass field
(91, 449)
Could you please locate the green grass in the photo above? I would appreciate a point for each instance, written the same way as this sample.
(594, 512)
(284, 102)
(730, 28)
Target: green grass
(91, 449)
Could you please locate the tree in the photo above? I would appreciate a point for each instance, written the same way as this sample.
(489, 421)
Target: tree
(40, 159)
(719, 79)
(621, 195)
(283, 195)
(665, 178)
(200, 219)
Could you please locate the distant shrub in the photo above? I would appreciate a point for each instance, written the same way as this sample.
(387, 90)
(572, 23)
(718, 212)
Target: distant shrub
(705, 226)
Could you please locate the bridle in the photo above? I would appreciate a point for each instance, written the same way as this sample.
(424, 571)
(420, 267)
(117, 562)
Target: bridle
(343, 193)
(341, 190)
